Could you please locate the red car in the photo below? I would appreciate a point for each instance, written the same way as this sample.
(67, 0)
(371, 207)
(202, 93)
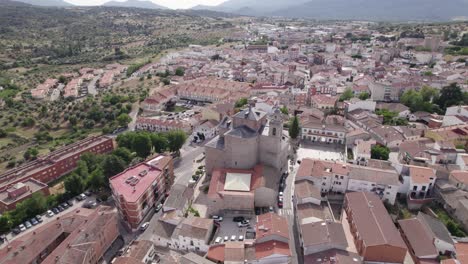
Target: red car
(280, 204)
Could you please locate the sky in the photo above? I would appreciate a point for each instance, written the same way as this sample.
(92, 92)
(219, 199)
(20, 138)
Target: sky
(175, 4)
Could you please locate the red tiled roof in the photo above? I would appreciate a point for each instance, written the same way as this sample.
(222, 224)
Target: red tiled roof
(421, 175)
(418, 237)
(216, 253)
(271, 247)
(319, 168)
(462, 252)
(271, 224)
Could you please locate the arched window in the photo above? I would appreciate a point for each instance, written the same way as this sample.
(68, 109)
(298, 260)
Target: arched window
(274, 131)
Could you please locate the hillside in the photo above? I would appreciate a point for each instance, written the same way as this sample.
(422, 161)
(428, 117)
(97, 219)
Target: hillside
(379, 10)
(136, 4)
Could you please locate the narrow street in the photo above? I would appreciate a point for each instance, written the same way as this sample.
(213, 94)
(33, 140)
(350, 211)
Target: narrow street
(183, 167)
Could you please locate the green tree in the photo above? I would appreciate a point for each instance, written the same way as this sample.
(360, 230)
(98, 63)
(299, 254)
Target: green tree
(30, 154)
(241, 102)
(82, 169)
(294, 128)
(74, 184)
(112, 165)
(5, 223)
(284, 110)
(450, 95)
(380, 152)
(28, 122)
(176, 139)
(142, 145)
(429, 94)
(92, 160)
(123, 153)
(124, 120)
(166, 81)
(180, 71)
(126, 140)
(347, 94)
(96, 180)
(3, 133)
(159, 142)
(364, 96)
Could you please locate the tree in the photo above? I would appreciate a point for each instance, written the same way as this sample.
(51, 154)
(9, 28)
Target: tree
(124, 120)
(96, 180)
(348, 94)
(215, 57)
(241, 102)
(176, 139)
(180, 71)
(82, 169)
(92, 160)
(112, 165)
(74, 184)
(380, 152)
(28, 122)
(159, 142)
(88, 124)
(31, 154)
(123, 153)
(166, 81)
(142, 145)
(3, 133)
(284, 110)
(364, 96)
(294, 128)
(5, 223)
(450, 95)
(126, 140)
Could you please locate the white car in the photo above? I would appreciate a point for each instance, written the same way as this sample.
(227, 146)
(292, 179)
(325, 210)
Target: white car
(218, 240)
(22, 228)
(233, 238)
(144, 226)
(49, 213)
(217, 218)
(241, 238)
(280, 194)
(242, 224)
(226, 238)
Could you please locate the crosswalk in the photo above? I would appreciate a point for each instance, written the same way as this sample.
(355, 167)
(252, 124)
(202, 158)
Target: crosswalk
(285, 212)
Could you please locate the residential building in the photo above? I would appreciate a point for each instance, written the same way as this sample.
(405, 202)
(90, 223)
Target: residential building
(79, 236)
(438, 232)
(193, 234)
(42, 90)
(362, 151)
(57, 163)
(251, 138)
(207, 128)
(161, 125)
(402, 110)
(72, 88)
(138, 252)
(192, 258)
(459, 179)
(324, 102)
(317, 236)
(19, 192)
(139, 188)
(355, 103)
(212, 90)
(218, 111)
(462, 161)
(455, 115)
(158, 100)
(375, 236)
(418, 184)
(329, 130)
(418, 240)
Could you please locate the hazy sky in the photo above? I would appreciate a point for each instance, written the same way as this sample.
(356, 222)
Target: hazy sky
(167, 3)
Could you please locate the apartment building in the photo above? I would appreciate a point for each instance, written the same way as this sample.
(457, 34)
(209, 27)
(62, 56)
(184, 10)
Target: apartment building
(141, 187)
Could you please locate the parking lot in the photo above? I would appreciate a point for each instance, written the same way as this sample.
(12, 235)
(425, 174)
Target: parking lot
(229, 228)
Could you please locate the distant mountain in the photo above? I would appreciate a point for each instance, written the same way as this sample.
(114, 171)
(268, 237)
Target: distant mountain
(57, 3)
(394, 10)
(135, 3)
(12, 3)
(391, 10)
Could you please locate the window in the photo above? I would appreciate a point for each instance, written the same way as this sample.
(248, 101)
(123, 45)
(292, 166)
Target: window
(341, 177)
(274, 131)
(415, 188)
(424, 188)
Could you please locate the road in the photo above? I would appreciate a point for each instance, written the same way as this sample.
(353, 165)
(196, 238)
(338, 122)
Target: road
(183, 167)
(92, 85)
(133, 114)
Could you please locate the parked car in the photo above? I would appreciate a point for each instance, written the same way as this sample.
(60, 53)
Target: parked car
(159, 207)
(90, 204)
(241, 238)
(27, 224)
(233, 238)
(218, 240)
(16, 231)
(144, 226)
(2, 239)
(280, 204)
(70, 202)
(243, 224)
(226, 238)
(65, 205)
(34, 221)
(49, 213)
(22, 227)
(60, 208)
(81, 197)
(217, 218)
(87, 193)
(55, 210)
(238, 219)
(271, 209)
(39, 218)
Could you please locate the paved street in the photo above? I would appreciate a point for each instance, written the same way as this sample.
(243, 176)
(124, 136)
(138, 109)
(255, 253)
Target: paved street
(183, 167)
(92, 85)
